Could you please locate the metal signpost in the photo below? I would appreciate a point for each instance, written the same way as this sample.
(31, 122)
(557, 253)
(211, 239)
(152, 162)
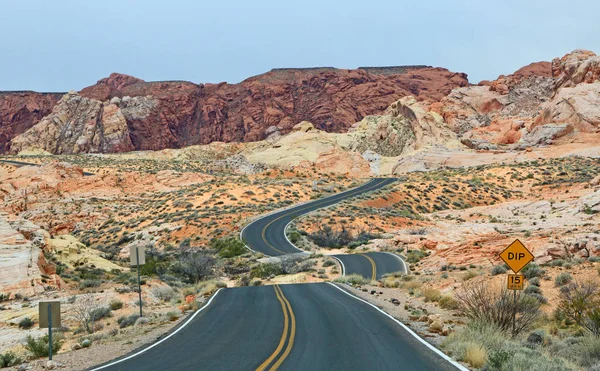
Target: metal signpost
(137, 258)
(516, 256)
(49, 317)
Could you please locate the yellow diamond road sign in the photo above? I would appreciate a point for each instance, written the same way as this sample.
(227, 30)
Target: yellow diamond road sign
(516, 256)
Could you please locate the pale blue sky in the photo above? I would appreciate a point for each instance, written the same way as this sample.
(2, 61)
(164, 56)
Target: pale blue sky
(63, 45)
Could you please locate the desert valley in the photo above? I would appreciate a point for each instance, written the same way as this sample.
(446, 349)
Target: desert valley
(181, 168)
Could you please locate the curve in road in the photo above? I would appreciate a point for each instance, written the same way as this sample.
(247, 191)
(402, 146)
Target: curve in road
(373, 265)
(267, 235)
(316, 326)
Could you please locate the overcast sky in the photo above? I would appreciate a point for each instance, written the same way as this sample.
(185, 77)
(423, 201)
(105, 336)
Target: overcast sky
(67, 45)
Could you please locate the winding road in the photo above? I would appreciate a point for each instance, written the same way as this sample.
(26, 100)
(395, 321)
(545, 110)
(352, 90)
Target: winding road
(315, 326)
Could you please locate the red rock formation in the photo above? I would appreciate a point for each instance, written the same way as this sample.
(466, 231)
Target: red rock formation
(503, 84)
(178, 113)
(21, 110)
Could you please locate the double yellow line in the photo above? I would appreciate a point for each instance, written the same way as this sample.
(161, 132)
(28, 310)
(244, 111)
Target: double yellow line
(308, 206)
(374, 276)
(289, 333)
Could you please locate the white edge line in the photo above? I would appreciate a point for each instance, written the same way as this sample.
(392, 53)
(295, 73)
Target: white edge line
(164, 339)
(431, 347)
(341, 263)
(399, 258)
(291, 207)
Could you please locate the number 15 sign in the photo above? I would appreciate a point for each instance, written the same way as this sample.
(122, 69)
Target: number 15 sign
(515, 282)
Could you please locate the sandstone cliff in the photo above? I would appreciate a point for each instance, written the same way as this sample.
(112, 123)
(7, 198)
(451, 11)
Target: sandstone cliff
(123, 113)
(536, 105)
(21, 110)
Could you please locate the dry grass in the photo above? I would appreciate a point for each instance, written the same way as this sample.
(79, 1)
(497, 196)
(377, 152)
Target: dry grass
(475, 355)
(448, 302)
(209, 287)
(431, 295)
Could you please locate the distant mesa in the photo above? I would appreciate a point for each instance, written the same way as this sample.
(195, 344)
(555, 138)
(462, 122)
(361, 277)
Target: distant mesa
(123, 113)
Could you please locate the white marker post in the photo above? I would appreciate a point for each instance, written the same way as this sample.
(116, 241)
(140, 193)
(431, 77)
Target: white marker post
(136, 258)
(49, 316)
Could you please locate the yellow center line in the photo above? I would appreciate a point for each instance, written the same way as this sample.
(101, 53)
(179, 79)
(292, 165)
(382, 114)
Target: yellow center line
(292, 334)
(374, 276)
(264, 230)
(268, 361)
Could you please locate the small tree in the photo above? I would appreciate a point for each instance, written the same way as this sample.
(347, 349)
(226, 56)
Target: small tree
(85, 309)
(194, 266)
(580, 303)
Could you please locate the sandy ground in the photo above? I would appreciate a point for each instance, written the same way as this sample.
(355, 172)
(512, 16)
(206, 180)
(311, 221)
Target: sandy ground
(382, 298)
(105, 350)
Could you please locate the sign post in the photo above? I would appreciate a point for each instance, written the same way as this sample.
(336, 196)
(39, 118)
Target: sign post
(516, 256)
(49, 317)
(136, 258)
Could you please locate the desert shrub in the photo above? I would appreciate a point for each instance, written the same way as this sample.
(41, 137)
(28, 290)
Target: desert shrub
(156, 265)
(26, 323)
(294, 236)
(296, 265)
(164, 293)
(498, 269)
(87, 283)
(534, 281)
(475, 355)
(194, 266)
(532, 289)
(228, 247)
(38, 347)
(587, 352)
(353, 279)
(173, 316)
(431, 295)
(487, 335)
(525, 358)
(209, 287)
(562, 279)
(326, 236)
(532, 270)
(580, 303)
(115, 304)
(85, 308)
(414, 256)
(448, 302)
(265, 270)
(243, 280)
(328, 263)
(99, 313)
(10, 359)
(481, 302)
(539, 297)
(467, 276)
(536, 337)
(126, 321)
(502, 353)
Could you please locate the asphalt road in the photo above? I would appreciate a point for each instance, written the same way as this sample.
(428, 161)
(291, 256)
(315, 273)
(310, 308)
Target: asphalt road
(266, 235)
(371, 265)
(302, 327)
(316, 326)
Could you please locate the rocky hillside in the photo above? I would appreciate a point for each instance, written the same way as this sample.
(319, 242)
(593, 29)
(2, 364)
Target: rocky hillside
(537, 105)
(21, 110)
(122, 113)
